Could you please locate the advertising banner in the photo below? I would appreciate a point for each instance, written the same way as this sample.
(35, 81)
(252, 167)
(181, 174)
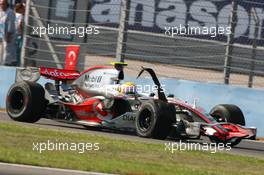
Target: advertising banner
(155, 15)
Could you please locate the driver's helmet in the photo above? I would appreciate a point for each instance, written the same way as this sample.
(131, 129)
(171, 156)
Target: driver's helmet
(128, 88)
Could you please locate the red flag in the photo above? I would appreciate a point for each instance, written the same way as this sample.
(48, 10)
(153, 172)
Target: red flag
(72, 52)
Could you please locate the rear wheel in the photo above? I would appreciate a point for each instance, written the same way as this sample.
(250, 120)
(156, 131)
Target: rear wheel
(228, 113)
(25, 102)
(154, 120)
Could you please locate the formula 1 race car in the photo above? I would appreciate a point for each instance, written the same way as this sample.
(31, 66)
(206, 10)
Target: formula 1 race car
(97, 98)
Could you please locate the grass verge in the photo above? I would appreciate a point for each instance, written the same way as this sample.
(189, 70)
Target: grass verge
(116, 156)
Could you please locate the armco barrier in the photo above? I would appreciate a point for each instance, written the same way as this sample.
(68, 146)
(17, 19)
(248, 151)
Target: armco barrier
(208, 95)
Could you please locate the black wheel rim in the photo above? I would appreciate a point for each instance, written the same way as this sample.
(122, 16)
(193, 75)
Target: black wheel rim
(219, 118)
(145, 120)
(17, 101)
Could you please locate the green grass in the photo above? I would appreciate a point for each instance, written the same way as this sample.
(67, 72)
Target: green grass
(116, 155)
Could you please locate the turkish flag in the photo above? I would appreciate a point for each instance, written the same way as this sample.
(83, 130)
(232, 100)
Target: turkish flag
(71, 60)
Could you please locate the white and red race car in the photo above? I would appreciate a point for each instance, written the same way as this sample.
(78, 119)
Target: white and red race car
(96, 97)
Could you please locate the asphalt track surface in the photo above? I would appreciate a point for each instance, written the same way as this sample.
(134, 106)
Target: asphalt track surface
(245, 148)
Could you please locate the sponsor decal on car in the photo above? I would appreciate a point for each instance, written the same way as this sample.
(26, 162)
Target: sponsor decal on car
(93, 79)
(129, 117)
(55, 73)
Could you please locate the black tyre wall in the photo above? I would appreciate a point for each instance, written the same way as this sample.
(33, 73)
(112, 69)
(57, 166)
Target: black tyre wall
(25, 101)
(230, 113)
(162, 115)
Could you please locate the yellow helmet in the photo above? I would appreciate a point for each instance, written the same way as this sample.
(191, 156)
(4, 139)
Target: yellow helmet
(128, 88)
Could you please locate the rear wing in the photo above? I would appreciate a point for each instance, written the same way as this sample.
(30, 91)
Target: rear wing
(33, 73)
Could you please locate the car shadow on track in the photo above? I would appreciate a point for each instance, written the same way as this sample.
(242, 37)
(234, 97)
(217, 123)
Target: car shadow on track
(249, 149)
(86, 128)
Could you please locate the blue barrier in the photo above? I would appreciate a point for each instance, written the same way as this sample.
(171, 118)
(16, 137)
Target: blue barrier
(7, 78)
(209, 95)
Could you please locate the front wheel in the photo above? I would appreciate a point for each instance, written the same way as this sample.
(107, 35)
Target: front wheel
(228, 113)
(155, 119)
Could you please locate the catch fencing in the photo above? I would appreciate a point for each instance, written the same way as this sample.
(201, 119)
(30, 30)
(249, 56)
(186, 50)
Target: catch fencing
(137, 32)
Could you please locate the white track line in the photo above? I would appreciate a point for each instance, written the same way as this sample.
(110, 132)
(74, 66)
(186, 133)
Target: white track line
(52, 169)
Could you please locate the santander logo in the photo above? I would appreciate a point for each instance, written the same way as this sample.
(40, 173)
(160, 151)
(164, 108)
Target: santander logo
(55, 73)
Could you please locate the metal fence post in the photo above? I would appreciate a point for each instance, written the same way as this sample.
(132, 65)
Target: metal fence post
(254, 47)
(24, 42)
(122, 32)
(230, 41)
